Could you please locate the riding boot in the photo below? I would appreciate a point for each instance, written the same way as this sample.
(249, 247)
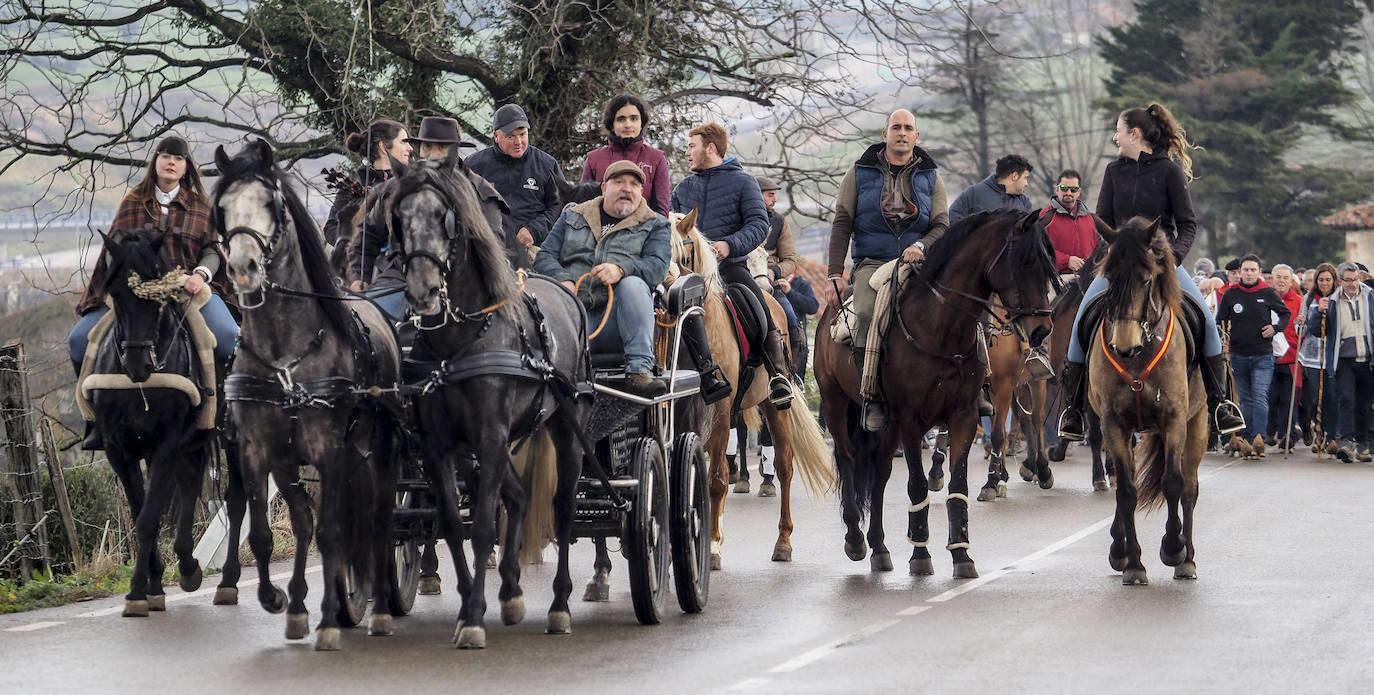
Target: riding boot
(714, 385)
(985, 407)
(1071, 426)
(779, 386)
(91, 441)
(874, 411)
(1226, 416)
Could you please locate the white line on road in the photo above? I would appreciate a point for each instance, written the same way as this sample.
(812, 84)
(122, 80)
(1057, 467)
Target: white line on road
(912, 610)
(36, 626)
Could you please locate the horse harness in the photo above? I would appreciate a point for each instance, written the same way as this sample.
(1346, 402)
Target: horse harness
(1137, 382)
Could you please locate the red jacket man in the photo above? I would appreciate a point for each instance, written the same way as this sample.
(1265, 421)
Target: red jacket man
(1072, 230)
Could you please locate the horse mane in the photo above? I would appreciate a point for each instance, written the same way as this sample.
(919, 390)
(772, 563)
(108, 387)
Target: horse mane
(1032, 253)
(707, 266)
(1139, 245)
(250, 162)
(448, 176)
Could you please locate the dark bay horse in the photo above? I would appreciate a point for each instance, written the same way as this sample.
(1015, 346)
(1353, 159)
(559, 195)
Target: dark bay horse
(154, 422)
(496, 364)
(1065, 311)
(299, 395)
(1139, 380)
(931, 375)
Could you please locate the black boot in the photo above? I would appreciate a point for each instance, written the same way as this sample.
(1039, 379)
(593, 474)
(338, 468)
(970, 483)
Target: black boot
(874, 412)
(1071, 426)
(1226, 416)
(779, 387)
(985, 408)
(92, 441)
(714, 385)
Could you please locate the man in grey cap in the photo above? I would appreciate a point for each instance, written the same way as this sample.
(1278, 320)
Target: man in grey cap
(524, 176)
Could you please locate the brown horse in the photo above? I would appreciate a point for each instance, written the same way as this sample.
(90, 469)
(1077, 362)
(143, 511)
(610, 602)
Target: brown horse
(1012, 386)
(931, 375)
(1139, 381)
(1065, 310)
(796, 435)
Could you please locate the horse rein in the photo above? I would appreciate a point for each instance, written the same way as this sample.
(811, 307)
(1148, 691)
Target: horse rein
(1137, 382)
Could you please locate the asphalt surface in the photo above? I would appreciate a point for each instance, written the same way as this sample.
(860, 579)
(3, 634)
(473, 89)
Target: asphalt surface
(1282, 604)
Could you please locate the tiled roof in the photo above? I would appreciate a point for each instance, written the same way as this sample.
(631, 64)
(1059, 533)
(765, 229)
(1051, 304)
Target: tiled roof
(1358, 217)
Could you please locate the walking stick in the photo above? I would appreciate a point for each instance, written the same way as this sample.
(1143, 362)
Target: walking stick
(1321, 388)
(1293, 394)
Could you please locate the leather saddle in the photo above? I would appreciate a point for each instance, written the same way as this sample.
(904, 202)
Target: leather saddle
(750, 322)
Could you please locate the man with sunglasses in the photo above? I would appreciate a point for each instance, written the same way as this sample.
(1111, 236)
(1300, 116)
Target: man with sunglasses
(1072, 230)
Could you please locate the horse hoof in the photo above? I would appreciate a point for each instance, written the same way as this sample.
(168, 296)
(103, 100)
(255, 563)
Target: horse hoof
(1047, 483)
(782, 553)
(1117, 563)
(856, 551)
(491, 560)
(380, 625)
(715, 560)
(1186, 570)
(429, 586)
(1173, 559)
(1134, 578)
(472, 637)
(1026, 473)
(987, 494)
(921, 567)
(277, 604)
(597, 590)
(327, 639)
(297, 625)
(227, 596)
(191, 582)
(935, 484)
(880, 562)
(135, 609)
(560, 623)
(513, 610)
(965, 570)
(1002, 488)
(157, 602)
(1101, 486)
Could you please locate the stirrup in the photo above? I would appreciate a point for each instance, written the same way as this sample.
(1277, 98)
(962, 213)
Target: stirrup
(1074, 434)
(875, 415)
(1237, 424)
(780, 392)
(1039, 366)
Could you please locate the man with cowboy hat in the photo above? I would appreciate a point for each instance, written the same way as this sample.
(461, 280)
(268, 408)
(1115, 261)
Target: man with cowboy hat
(383, 279)
(524, 175)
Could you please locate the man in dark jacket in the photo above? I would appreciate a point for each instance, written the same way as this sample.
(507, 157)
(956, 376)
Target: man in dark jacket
(803, 300)
(1004, 189)
(1255, 313)
(524, 175)
(732, 215)
(891, 203)
(782, 255)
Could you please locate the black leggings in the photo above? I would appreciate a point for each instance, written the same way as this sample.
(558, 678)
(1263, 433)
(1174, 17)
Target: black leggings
(738, 274)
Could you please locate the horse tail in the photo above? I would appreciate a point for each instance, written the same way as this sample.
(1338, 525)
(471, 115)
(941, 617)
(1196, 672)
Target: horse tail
(1150, 463)
(857, 480)
(357, 502)
(813, 459)
(540, 473)
(751, 419)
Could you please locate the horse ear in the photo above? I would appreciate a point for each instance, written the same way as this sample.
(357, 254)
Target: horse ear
(451, 161)
(265, 152)
(1104, 230)
(397, 165)
(221, 159)
(689, 222)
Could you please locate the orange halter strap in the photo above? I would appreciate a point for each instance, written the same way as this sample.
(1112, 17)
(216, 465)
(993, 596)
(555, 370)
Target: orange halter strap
(1137, 383)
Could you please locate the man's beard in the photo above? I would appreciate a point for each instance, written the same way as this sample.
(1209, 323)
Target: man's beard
(1068, 203)
(623, 206)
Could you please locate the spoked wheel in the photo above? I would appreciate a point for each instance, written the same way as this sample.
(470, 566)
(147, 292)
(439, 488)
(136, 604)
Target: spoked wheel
(646, 533)
(355, 589)
(408, 553)
(690, 525)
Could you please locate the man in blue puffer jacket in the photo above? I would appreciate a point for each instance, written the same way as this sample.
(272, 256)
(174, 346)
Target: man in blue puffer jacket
(731, 213)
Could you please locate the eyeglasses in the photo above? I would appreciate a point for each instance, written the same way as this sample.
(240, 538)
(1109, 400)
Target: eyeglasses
(1068, 189)
(1354, 279)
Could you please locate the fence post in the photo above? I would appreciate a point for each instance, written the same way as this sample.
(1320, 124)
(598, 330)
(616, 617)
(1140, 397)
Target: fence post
(19, 429)
(59, 487)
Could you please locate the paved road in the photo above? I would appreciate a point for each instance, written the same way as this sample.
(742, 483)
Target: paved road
(1283, 604)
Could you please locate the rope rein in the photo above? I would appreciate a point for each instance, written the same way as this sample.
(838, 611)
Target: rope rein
(610, 301)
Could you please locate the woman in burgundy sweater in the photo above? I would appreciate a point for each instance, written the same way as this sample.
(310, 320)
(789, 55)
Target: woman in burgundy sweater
(625, 119)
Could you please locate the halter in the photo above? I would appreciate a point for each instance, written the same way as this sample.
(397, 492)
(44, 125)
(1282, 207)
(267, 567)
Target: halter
(1137, 383)
(268, 248)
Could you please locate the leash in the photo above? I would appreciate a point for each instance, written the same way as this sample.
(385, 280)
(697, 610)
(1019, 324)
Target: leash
(610, 300)
(1137, 383)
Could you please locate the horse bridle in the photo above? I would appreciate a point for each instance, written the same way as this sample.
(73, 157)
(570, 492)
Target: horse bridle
(1013, 313)
(268, 248)
(453, 233)
(124, 346)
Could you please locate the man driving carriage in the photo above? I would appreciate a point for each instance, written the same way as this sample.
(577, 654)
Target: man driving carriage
(621, 243)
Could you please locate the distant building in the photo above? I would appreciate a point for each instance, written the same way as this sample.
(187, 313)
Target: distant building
(1358, 225)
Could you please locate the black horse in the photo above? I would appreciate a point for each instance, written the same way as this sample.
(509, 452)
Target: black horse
(311, 385)
(156, 421)
(496, 363)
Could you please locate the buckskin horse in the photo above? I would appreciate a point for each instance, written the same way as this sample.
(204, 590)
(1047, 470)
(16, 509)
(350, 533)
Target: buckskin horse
(1139, 380)
(931, 375)
(311, 385)
(150, 345)
(496, 361)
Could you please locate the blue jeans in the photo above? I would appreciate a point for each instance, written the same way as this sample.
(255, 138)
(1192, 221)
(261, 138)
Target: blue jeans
(1253, 374)
(792, 324)
(217, 319)
(392, 300)
(630, 325)
(1211, 340)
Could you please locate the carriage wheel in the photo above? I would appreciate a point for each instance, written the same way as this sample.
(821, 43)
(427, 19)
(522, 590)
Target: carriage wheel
(355, 589)
(690, 525)
(407, 566)
(646, 534)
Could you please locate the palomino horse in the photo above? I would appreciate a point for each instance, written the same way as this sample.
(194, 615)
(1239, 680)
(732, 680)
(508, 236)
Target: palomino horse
(495, 364)
(298, 396)
(1139, 380)
(931, 375)
(149, 344)
(796, 435)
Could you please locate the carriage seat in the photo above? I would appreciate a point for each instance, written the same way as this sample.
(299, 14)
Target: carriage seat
(687, 291)
(1193, 322)
(609, 370)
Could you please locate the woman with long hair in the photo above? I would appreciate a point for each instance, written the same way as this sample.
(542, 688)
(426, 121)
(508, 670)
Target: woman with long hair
(170, 199)
(1149, 179)
(1312, 356)
(383, 140)
(625, 119)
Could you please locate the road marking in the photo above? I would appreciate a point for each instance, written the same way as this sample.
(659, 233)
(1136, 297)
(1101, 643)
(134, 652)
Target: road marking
(171, 598)
(36, 626)
(913, 610)
(820, 652)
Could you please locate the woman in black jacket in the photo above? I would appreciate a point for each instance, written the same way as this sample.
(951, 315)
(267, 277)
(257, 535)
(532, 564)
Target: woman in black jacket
(383, 139)
(1145, 181)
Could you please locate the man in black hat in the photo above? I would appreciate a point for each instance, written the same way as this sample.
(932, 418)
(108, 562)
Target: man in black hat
(524, 175)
